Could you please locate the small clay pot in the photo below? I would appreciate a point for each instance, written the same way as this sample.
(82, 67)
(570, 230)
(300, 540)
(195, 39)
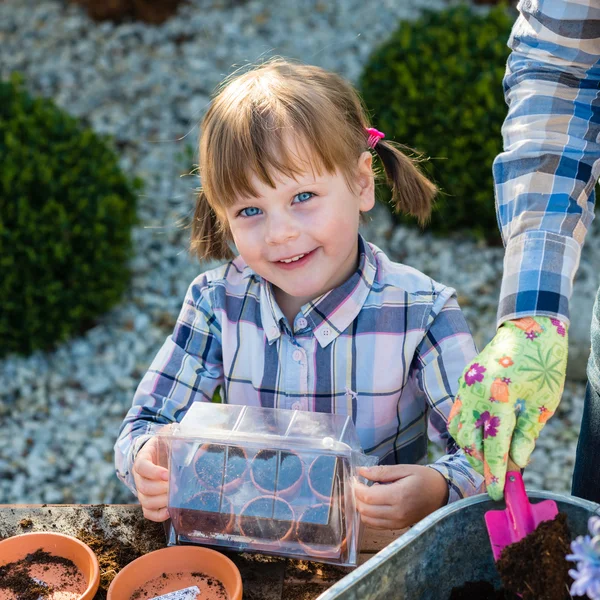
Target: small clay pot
(15, 548)
(266, 521)
(221, 467)
(208, 512)
(277, 472)
(322, 477)
(317, 535)
(175, 568)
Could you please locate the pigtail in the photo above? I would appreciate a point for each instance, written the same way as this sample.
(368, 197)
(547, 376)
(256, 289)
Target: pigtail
(412, 192)
(209, 240)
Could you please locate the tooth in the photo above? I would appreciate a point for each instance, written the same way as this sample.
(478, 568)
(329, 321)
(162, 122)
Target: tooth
(289, 260)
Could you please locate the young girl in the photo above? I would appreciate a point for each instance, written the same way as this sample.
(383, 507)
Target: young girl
(309, 316)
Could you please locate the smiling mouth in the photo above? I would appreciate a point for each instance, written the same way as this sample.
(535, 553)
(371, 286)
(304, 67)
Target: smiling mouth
(293, 259)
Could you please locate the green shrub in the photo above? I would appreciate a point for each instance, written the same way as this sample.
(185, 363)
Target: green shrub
(66, 212)
(436, 86)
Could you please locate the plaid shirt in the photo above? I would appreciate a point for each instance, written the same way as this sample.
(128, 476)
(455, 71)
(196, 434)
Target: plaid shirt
(545, 177)
(386, 347)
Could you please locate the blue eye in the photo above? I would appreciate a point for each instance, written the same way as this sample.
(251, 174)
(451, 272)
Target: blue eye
(251, 211)
(303, 196)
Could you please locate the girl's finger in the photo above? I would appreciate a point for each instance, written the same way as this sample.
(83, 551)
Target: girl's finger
(376, 511)
(153, 502)
(385, 473)
(381, 523)
(156, 515)
(382, 494)
(149, 487)
(148, 470)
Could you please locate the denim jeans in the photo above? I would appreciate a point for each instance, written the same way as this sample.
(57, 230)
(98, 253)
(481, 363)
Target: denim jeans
(586, 475)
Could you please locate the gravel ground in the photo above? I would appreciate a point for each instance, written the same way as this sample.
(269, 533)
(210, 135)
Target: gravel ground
(148, 86)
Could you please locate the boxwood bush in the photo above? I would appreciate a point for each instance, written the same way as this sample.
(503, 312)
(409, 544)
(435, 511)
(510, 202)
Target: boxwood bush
(66, 212)
(436, 86)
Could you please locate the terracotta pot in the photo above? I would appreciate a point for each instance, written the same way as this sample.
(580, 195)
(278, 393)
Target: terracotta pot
(209, 463)
(264, 469)
(16, 548)
(306, 534)
(209, 512)
(318, 472)
(183, 560)
(255, 520)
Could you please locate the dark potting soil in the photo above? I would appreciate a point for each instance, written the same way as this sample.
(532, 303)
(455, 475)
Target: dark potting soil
(15, 576)
(315, 529)
(266, 518)
(270, 475)
(480, 590)
(322, 473)
(209, 512)
(113, 554)
(536, 567)
(212, 460)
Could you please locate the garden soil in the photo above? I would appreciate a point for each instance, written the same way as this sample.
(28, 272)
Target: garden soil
(119, 534)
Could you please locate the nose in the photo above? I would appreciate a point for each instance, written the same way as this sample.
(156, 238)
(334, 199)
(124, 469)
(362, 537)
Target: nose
(281, 228)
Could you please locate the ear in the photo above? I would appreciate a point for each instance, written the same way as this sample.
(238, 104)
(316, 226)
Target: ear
(366, 182)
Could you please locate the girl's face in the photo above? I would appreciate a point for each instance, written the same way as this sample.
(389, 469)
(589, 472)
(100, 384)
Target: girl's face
(302, 236)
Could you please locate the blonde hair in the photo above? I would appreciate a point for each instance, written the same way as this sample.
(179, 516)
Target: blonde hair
(245, 130)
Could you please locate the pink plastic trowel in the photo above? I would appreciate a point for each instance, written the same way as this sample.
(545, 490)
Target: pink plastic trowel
(520, 517)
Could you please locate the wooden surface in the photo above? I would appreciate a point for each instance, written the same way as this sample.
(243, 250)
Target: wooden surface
(264, 577)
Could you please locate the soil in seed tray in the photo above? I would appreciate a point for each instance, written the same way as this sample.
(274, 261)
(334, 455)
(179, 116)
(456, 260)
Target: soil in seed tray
(270, 476)
(40, 575)
(209, 512)
(536, 567)
(322, 473)
(210, 462)
(315, 529)
(265, 518)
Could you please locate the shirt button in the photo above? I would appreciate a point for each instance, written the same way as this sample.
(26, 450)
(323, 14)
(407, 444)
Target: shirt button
(326, 331)
(301, 323)
(296, 406)
(297, 355)
(273, 331)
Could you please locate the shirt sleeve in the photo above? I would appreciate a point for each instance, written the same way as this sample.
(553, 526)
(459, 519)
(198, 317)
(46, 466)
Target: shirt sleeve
(187, 369)
(545, 178)
(446, 349)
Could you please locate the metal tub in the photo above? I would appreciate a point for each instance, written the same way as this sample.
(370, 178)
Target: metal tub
(444, 550)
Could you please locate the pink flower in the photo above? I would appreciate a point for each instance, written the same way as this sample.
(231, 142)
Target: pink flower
(560, 328)
(490, 424)
(475, 373)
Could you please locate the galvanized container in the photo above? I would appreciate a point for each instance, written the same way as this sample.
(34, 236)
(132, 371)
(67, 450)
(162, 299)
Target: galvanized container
(444, 550)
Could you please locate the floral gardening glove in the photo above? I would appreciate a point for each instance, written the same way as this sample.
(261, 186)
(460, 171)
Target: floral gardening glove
(507, 394)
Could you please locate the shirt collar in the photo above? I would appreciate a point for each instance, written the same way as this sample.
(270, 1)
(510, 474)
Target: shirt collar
(329, 314)
(270, 313)
(332, 313)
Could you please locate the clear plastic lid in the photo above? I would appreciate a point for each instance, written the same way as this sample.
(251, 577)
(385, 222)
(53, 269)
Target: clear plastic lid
(265, 480)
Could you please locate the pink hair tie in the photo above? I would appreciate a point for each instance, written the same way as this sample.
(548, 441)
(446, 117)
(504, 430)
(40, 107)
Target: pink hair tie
(374, 136)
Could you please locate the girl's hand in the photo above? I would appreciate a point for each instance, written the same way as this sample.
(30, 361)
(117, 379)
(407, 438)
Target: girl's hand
(151, 482)
(401, 496)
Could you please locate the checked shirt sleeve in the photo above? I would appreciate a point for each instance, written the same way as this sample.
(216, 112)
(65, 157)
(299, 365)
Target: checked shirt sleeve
(187, 369)
(443, 354)
(545, 178)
